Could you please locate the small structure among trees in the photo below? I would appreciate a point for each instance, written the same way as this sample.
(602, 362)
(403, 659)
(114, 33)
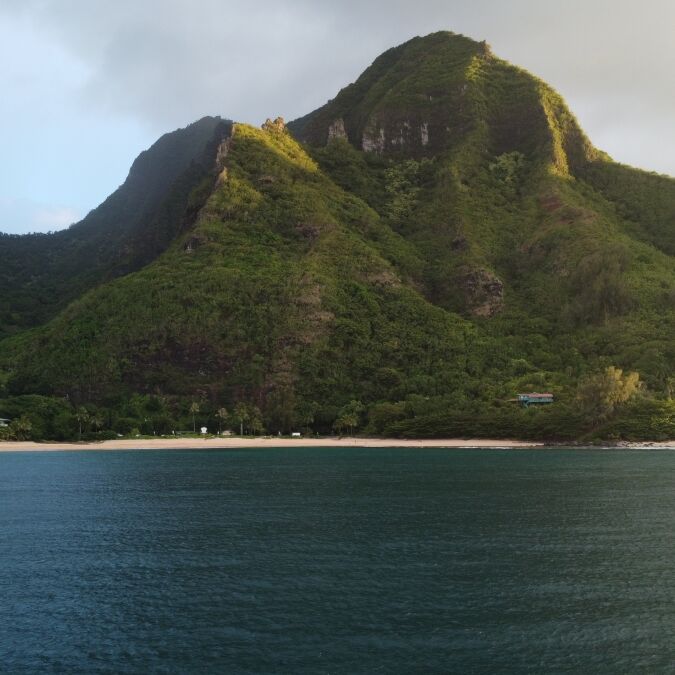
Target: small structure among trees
(534, 398)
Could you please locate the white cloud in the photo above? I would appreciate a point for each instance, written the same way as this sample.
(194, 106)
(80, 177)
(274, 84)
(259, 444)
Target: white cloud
(18, 216)
(54, 218)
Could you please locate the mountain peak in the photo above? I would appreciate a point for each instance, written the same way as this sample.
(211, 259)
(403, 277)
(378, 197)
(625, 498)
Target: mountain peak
(446, 93)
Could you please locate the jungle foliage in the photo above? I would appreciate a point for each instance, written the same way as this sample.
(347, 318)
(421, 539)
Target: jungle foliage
(478, 247)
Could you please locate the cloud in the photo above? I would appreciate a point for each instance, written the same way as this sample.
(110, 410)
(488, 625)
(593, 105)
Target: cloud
(174, 61)
(54, 217)
(24, 215)
(154, 57)
(165, 63)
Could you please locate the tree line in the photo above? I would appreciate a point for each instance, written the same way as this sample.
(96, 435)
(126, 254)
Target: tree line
(608, 404)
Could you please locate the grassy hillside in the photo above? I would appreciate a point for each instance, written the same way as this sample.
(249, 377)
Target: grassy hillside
(523, 226)
(288, 293)
(440, 236)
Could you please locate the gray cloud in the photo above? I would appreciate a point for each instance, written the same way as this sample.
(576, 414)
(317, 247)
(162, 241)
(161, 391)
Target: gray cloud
(169, 62)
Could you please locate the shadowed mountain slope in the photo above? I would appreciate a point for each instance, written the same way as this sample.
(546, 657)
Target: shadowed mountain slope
(41, 273)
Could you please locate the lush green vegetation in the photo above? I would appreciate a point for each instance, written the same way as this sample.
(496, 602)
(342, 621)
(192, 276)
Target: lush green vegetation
(41, 273)
(479, 247)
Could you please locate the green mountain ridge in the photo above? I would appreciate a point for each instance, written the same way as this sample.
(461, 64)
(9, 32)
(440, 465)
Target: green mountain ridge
(41, 273)
(404, 260)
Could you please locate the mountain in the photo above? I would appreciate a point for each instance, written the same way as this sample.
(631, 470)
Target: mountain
(41, 273)
(437, 238)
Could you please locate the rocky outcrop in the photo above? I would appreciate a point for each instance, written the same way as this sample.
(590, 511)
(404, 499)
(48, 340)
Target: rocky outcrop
(337, 130)
(407, 135)
(221, 154)
(193, 243)
(309, 231)
(275, 126)
(385, 278)
(374, 139)
(402, 136)
(483, 292)
(424, 134)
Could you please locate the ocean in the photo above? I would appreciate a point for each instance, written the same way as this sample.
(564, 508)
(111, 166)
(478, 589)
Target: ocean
(338, 561)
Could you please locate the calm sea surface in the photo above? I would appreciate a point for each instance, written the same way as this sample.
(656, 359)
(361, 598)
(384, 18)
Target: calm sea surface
(338, 561)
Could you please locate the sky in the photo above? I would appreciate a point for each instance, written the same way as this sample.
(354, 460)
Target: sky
(86, 86)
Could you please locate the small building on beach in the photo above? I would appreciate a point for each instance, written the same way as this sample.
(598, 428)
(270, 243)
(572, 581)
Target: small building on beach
(4, 422)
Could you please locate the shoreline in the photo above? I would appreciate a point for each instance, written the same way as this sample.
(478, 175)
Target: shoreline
(235, 443)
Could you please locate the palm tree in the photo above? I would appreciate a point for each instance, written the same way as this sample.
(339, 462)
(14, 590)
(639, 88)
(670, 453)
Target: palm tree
(194, 409)
(241, 413)
(97, 421)
(255, 420)
(82, 417)
(222, 415)
(21, 428)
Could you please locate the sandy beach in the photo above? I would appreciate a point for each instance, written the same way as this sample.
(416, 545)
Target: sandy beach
(263, 442)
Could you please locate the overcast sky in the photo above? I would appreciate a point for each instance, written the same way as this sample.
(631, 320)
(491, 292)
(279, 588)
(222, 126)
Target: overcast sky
(85, 86)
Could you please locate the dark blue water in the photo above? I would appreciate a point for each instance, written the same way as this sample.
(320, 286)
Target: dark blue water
(337, 561)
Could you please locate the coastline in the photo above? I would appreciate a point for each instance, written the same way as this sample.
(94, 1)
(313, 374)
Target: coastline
(236, 443)
(261, 442)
